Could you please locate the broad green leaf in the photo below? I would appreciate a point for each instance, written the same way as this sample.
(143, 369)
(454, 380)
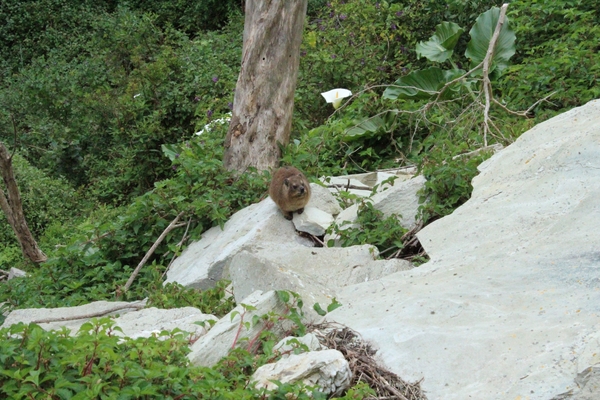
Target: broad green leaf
(424, 84)
(372, 125)
(440, 46)
(482, 33)
(381, 123)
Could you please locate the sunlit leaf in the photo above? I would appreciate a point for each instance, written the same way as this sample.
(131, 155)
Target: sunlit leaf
(440, 46)
(482, 33)
(424, 84)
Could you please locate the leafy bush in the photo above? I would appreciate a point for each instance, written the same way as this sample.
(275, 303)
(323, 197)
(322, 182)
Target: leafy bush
(100, 119)
(96, 363)
(189, 16)
(557, 52)
(341, 49)
(34, 28)
(448, 183)
(95, 260)
(372, 228)
(214, 301)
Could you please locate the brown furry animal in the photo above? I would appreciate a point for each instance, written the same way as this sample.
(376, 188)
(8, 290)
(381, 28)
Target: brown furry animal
(290, 190)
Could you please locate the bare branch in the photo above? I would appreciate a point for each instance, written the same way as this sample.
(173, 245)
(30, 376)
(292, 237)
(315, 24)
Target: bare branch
(487, 84)
(91, 315)
(179, 244)
(526, 112)
(168, 229)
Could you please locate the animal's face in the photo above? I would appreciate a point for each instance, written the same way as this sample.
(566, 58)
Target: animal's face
(295, 185)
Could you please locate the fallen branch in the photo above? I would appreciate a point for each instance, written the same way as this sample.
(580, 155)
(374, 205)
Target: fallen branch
(178, 245)
(525, 113)
(168, 229)
(90, 315)
(346, 187)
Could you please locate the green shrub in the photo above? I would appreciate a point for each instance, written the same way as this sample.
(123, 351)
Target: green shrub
(189, 16)
(356, 44)
(372, 228)
(100, 119)
(448, 184)
(557, 52)
(96, 258)
(214, 301)
(96, 363)
(35, 28)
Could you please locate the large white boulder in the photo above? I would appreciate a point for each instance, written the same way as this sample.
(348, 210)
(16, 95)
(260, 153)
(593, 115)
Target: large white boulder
(206, 261)
(259, 249)
(509, 305)
(317, 274)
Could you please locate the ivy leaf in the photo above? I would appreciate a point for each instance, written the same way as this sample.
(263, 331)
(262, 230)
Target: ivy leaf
(440, 46)
(482, 33)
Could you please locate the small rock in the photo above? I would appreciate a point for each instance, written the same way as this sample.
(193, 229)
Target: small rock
(15, 273)
(322, 199)
(327, 369)
(313, 221)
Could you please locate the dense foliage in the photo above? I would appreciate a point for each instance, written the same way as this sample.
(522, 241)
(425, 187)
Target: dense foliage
(98, 362)
(102, 100)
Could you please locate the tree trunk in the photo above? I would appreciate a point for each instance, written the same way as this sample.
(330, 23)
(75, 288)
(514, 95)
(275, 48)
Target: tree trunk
(264, 94)
(10, 203)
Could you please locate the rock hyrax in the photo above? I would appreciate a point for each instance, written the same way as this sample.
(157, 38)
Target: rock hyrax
(290, 190)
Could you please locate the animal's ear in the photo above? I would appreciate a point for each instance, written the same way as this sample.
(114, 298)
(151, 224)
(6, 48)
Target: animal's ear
(286, 182)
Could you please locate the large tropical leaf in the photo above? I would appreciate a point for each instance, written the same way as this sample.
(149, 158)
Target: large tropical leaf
(481, 34)
(378, 124)
(440, 46)
(424, 84)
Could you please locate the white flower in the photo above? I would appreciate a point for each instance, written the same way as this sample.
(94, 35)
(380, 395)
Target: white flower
(212, 124)
(335, 96)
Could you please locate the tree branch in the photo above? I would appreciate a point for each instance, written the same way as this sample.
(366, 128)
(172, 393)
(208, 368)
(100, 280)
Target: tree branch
(168, 229)
(90, 315)
(487, 84)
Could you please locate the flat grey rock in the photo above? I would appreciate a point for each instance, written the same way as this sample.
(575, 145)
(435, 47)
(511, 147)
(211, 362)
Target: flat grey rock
(509, 305)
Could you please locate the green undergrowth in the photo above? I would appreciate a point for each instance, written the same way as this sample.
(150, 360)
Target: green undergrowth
(96, 363)
(94, 259)
(371, 227)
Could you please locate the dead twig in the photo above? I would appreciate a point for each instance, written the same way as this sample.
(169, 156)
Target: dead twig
(527, 112)
(360, 357)
(168, 229)
(178, 245)
(90, 315)
(346, 187)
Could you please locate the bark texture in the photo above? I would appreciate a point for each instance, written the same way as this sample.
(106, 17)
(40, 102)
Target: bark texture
(264, 95)
(10, 203)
